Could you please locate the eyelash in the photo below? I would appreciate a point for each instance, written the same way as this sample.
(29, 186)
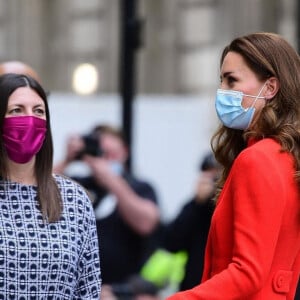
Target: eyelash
(231, 79)
(40, 111)
(17, 110)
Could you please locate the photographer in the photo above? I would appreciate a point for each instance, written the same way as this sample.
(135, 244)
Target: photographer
(126, 208)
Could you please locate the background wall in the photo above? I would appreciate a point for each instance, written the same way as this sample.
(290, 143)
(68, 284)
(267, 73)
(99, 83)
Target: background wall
(180, 39)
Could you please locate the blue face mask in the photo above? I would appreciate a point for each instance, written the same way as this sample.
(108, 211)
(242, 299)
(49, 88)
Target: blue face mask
(230, 111)
(116, 167)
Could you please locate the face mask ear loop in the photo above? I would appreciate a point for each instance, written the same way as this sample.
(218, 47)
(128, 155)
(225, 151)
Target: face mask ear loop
(258, 96)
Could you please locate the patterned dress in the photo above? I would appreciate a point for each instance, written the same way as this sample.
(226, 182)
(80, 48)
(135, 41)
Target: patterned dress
(40, 260)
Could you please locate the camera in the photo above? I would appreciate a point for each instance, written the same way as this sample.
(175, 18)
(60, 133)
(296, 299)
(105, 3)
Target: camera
(91, 146)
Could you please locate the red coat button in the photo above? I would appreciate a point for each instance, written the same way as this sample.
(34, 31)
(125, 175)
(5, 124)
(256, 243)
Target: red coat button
(282, 280)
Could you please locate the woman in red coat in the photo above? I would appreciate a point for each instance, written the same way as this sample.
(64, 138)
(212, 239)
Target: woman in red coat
(253, 248)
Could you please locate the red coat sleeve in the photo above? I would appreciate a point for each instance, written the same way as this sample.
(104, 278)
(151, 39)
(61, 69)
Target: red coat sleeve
(255, 191)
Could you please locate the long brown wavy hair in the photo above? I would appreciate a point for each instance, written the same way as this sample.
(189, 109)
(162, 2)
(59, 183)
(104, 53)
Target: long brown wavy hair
(49, 196)
(267, 55)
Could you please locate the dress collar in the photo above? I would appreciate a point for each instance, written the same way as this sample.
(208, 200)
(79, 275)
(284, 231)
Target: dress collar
(251, 141)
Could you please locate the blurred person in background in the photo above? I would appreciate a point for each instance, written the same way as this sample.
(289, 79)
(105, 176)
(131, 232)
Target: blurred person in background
(126, 208)
(188, 231)
(177, 263)
(49, 245)
(18, 67)
(253, 246)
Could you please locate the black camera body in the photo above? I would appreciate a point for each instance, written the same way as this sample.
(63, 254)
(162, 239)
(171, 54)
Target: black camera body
(91, 146)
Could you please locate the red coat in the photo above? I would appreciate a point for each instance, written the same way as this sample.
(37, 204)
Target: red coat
(253, 248)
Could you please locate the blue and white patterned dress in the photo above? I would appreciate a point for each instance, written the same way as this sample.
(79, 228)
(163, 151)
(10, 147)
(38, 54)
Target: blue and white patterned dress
(40, 260)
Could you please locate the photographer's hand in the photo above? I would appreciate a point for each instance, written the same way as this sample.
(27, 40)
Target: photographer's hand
(73, 147)
(107, 293)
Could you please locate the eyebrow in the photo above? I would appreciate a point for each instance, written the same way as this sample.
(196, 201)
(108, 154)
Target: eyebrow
(226, 74)
(41, 104)
(22, 104)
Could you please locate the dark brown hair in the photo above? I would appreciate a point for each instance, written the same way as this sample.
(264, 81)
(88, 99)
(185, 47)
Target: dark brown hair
(108, 129)
(48, 193)
(267, 55)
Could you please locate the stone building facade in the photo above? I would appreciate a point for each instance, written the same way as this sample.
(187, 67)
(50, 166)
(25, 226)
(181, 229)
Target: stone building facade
(180, 39)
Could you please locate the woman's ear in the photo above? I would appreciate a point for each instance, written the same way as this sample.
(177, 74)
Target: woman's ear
(272, 85)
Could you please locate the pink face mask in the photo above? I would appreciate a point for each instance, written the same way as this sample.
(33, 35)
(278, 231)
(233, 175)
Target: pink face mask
(23, 137)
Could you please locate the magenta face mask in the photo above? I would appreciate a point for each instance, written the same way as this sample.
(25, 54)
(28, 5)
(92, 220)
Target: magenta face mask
(23, 137)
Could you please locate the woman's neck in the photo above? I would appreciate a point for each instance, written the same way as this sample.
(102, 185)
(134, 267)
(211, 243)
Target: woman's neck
(22, 173)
